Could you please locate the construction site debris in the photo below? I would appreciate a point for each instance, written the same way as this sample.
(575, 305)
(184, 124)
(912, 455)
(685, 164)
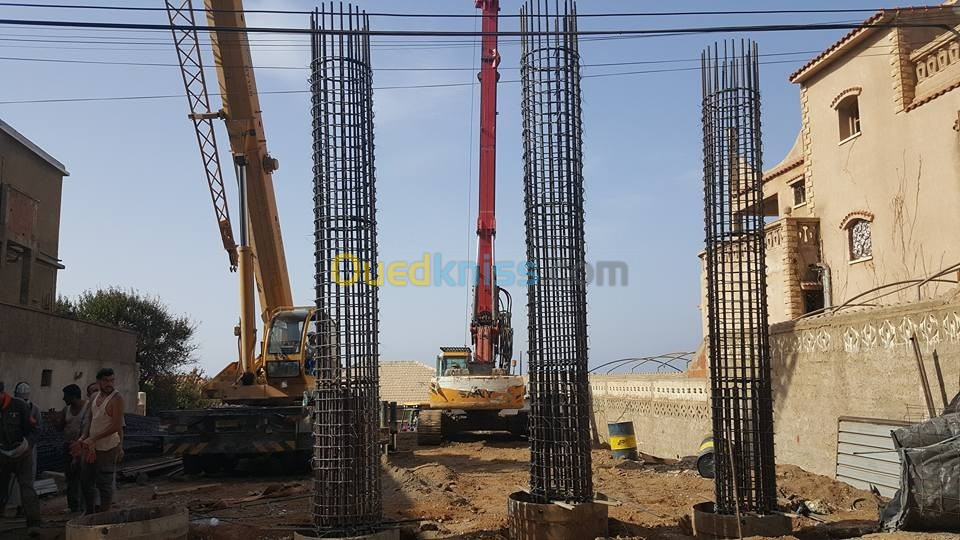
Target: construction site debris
(929, 477)
(655, 498)
(273, 491)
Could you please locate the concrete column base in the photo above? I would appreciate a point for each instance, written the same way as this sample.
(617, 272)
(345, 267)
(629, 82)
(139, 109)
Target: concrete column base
(530, 520)
(709, 525)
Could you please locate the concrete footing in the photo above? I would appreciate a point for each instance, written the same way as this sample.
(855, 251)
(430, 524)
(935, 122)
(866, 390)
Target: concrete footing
(386, 534)
(146, 522)
(530, 520)
(709, 525)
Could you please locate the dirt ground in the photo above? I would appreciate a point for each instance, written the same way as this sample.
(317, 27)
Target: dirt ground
(459, 491)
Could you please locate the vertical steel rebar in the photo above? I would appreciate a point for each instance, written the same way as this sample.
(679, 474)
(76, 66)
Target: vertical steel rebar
(560, 465)
(736, 280)
(346, 461)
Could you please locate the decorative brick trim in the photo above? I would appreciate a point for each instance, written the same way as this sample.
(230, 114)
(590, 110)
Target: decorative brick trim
(904, 76)
(856, 214)
(806, 140)
(784, 169)
(874, 22)
(933, 96)
(852, 91)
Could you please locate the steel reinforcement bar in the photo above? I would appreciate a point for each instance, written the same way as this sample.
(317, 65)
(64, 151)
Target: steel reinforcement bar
(739, 337)
(560, 465)
(346, 463)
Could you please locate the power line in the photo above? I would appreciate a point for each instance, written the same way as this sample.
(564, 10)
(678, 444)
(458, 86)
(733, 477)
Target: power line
(409, 43)
(457, 33)
(274, 45)
(457, 15)
(378, 69)
(379, 88)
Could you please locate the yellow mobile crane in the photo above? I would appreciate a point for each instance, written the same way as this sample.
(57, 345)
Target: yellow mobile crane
(263, 396)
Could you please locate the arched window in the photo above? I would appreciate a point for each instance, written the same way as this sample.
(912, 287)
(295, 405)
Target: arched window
(847, 105)
(848, 112)
(859, 239)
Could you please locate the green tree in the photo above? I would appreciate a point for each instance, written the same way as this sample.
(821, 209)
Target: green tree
(176, 391)
(164, 341)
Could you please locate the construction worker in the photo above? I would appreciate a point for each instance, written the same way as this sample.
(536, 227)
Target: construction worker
(101, 442)
(22, 392)
(18, 431)
(92, 389)
(70, 422)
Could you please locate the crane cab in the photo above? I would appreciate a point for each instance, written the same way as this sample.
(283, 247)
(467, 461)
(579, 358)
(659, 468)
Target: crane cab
(284, 369)
(453, 361)
(463, 384)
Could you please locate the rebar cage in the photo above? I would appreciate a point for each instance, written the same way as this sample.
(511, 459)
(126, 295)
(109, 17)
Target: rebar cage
(736, 280)
(346, 463)
(560, 465)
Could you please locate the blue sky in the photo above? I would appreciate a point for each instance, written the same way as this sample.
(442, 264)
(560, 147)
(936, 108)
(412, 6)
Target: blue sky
(136, 212)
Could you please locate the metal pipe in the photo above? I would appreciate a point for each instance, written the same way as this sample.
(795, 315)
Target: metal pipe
(924, 380)
(245, 275)
(826, 281)
(686, 357)
(939, 372)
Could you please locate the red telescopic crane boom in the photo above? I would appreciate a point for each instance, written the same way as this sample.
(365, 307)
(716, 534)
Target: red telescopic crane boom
(488, 323)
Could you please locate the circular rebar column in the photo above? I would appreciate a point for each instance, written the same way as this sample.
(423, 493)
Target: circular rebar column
(560, 464)
(736, 281)
(346, 460)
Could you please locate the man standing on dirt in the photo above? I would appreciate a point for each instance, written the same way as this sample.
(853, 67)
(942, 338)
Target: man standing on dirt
(17, 437)
(22, 392)
(70, 422)
(101, 441)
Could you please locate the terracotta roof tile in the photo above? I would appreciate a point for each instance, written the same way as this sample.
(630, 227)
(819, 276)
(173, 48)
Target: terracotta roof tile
(405, 381)
(879, 18)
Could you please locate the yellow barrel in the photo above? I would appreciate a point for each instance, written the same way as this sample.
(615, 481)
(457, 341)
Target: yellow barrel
(623, 442)
(706, 464)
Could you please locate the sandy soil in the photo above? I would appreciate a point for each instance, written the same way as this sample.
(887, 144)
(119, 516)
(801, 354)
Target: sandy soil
(460, 490)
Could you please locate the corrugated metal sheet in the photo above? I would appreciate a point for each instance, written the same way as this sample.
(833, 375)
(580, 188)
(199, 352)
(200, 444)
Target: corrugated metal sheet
(865, 454)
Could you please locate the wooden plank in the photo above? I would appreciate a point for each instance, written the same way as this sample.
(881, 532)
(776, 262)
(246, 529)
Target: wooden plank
(189, 489)
(889, 456)
(881, 421)
(45, 486)
(867, 476)
(880, 430)
(868, 464)
(866, 440)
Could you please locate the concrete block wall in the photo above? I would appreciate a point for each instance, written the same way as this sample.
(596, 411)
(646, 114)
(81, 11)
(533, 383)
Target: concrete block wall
(32, 341)
(670, 413)
(858, 364)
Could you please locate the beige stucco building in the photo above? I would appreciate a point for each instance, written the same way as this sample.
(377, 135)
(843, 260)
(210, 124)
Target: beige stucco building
(31, 184)
(869, 195)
